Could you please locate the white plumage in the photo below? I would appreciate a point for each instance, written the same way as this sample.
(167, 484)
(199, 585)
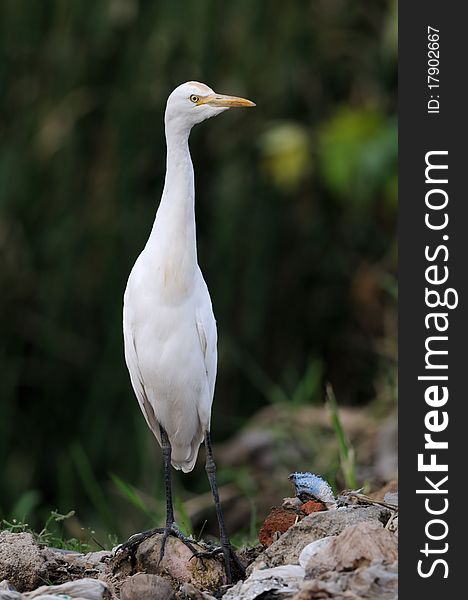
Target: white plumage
(169, 327)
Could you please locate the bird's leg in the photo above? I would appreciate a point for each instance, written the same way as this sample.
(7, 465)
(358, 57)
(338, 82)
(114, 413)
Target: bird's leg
(230, 557)
(170, 527)
(166, 450)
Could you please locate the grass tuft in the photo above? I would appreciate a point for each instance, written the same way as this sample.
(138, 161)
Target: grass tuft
(346, 451)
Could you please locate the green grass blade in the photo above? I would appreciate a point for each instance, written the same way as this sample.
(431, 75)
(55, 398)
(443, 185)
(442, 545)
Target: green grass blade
(130, 494)
(25, 504)
(183, 519)
(91, 485)
(346, 451)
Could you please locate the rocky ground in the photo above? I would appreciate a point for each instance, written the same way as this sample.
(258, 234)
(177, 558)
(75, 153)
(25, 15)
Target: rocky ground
(309, 551)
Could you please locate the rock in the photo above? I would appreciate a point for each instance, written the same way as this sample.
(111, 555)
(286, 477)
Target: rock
(312, 549)
(8, 592)
(21, 561)
(93, 559)
(357, 546)
(178, 563)
(80, 589)
(287, 548)
(27, 564)
(280, 582)
(377, 580)
(92, 564)
(248, 554)
(278, 521)
(192, 593)
(392, 525)
(391, 498)
(144, 586)
(293, 503)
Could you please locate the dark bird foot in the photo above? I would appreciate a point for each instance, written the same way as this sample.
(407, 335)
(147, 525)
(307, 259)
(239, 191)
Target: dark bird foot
(234, 568)
(135, 540)
(132, 543)
(172, 529)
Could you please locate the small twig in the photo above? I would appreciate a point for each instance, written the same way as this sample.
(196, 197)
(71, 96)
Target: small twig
(201, 530)
(365, 498)
(392, 518)
(98, 543)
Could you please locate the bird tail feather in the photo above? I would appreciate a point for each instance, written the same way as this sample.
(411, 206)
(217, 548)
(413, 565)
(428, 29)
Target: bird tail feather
(184, 458)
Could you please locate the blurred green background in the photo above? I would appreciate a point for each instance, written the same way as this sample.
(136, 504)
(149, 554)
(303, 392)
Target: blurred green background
(296, 215)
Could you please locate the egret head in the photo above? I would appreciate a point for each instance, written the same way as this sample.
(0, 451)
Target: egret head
(193, 102)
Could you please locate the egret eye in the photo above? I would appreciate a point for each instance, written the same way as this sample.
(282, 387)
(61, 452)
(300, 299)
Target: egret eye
(194, 98)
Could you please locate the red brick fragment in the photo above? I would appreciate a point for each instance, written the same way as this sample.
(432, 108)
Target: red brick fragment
(312, 506)
(279, 520)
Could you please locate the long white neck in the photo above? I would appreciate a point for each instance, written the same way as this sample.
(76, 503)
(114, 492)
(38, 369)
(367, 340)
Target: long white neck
(173, 238)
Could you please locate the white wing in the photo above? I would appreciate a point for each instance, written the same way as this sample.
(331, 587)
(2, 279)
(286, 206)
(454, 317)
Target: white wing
(131, 359)
(206, 327)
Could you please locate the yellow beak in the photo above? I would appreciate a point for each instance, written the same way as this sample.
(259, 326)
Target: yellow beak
(220, 100)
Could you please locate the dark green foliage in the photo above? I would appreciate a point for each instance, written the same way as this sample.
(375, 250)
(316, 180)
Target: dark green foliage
(296, 211)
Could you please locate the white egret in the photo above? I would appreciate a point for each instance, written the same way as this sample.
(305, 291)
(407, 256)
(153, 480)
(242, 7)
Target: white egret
(168, 323)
